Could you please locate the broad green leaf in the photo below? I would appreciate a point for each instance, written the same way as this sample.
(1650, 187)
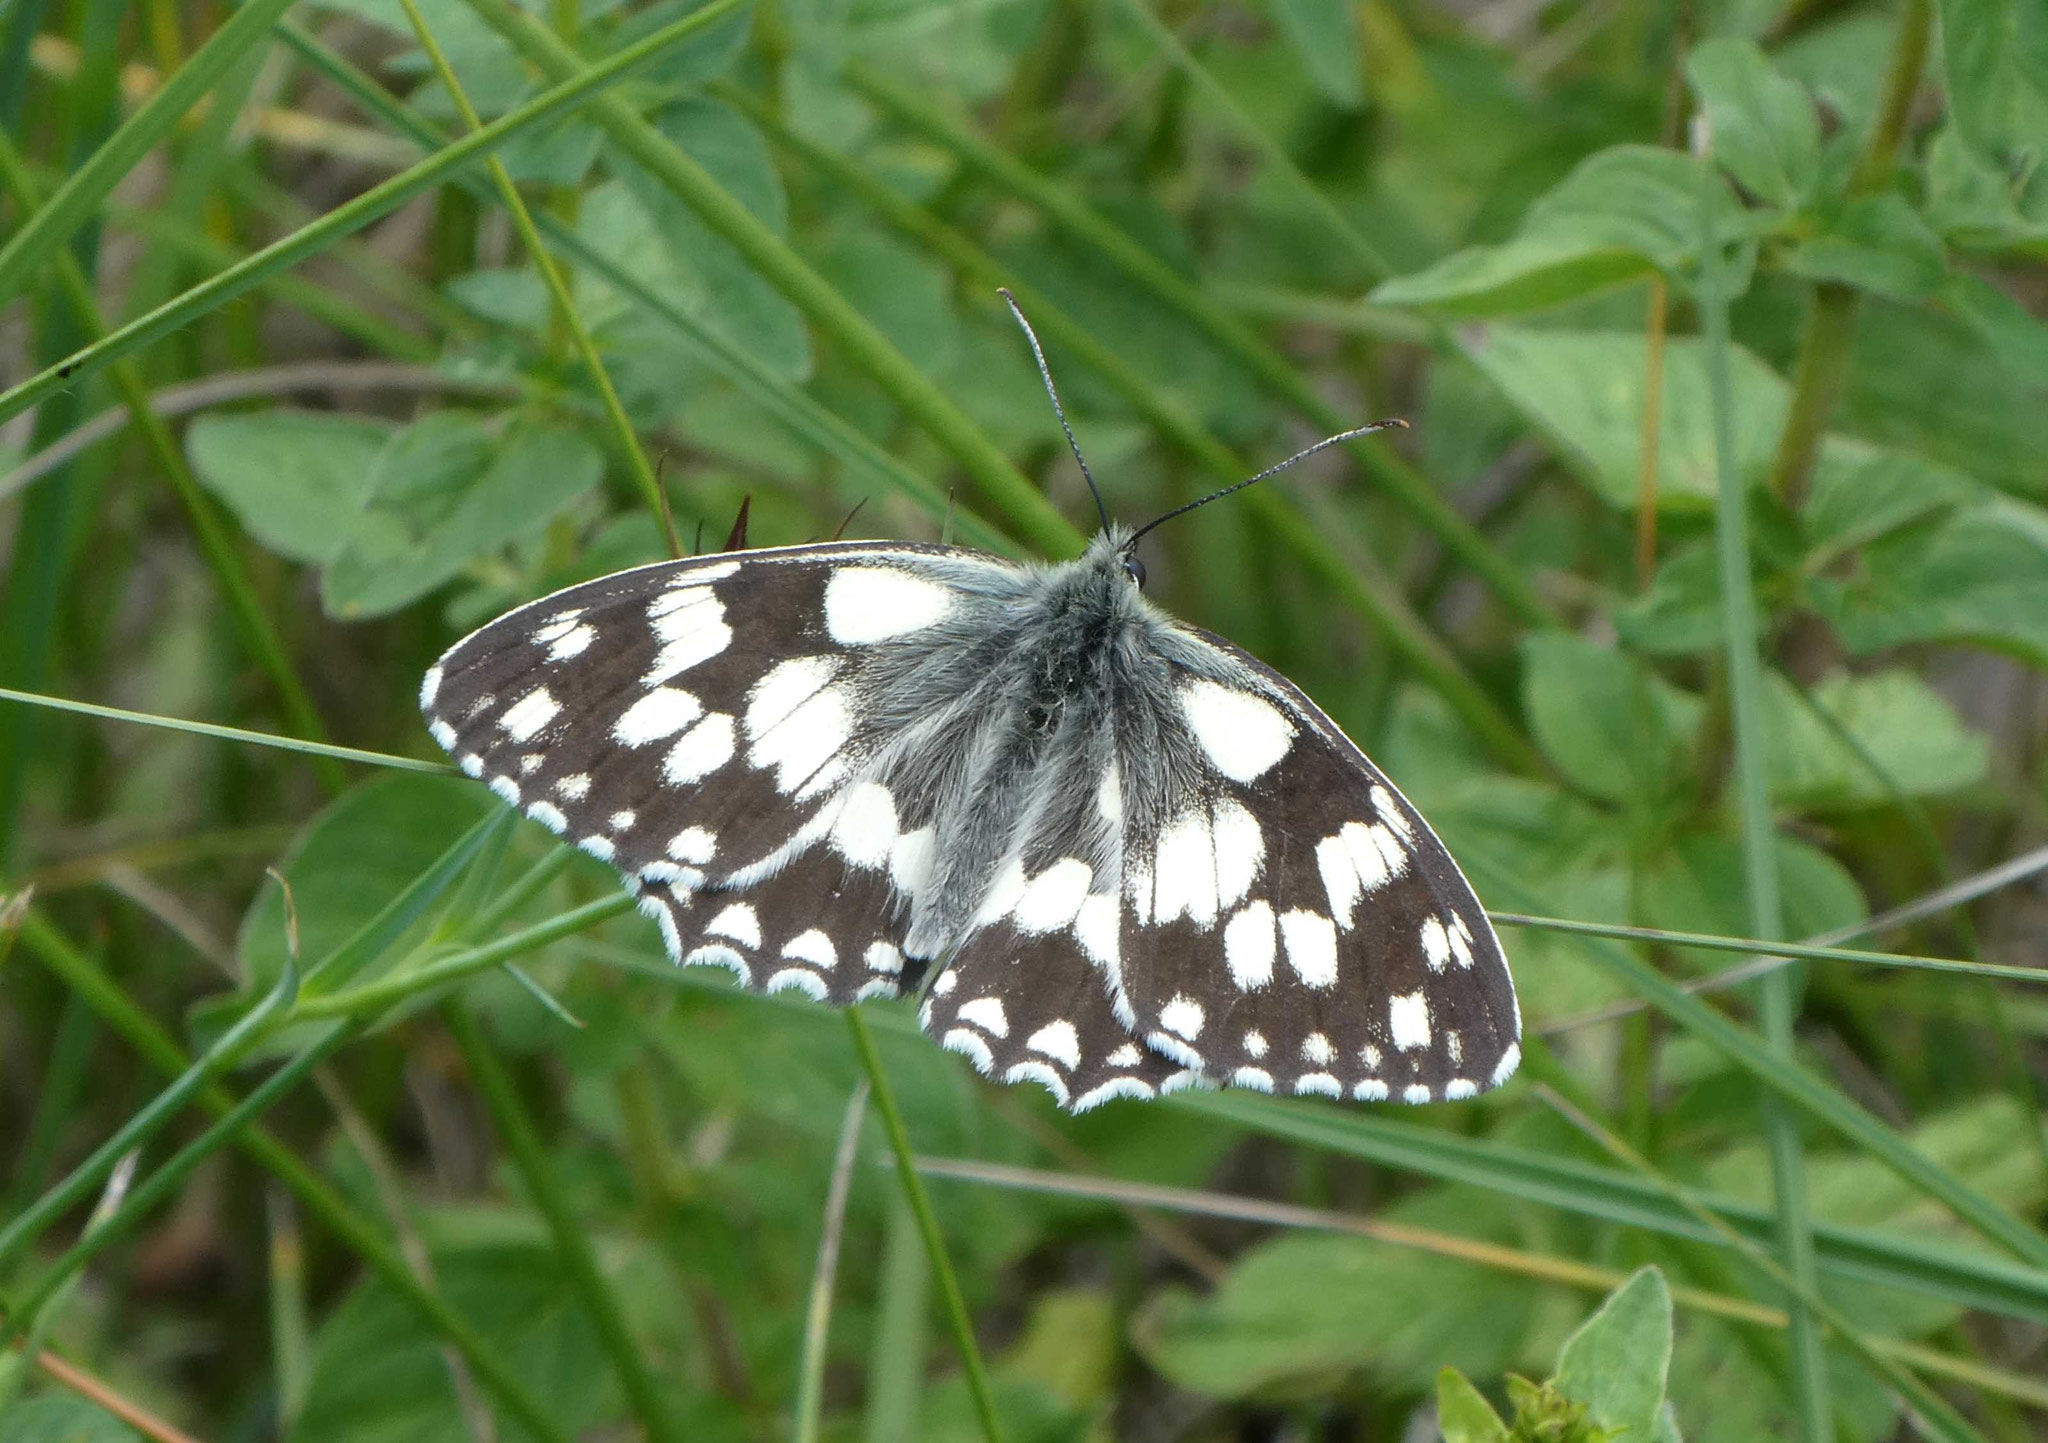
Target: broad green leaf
(1462, 1413)
(295, 480)
(1617, 1361)
(1622, 213)
(1698, 886)
(1324, 34)
(1680, 613)
(1996, 52)
(2008, 329)
(1973, 202)
(487, 66)
(1765, 131)
(1584, 389)
(1840, 58)
(444, 492)
(61, 1418)
(1876, 243)
(1898, 722)
(351, 860)
(1976, 574)
(1612, 727)
(905, 294)
(1859, 493)
(380, 1376)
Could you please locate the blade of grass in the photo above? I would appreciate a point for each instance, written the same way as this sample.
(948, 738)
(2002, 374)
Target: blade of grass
(226, 733)
(379, 200)
(1371, 596)
(787, 403)
(74, 203)
(572, 1248)
(1008, 492)
(1570, 1272)
(1777, 993)
(810, 1384)
(896, 1353)
(1751, 1053)
(624, 437)
(1407, 486)
(1931, 1411)
(927, 1223)
(77, 972)
(215, 542)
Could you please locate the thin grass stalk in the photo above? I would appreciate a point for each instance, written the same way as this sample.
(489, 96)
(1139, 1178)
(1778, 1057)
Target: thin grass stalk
(218, 547)
(927, 1224)
(1652, 431)
(1931, 1411)
(35, 1316)
(1006, 489)
(52, 223)
(77, 972)
(1403, 483)
(624, 436)
(810, 1384)
(1777, 992)
(102, 1395)
(346, 219)
(1780, 951)
(1569, 1272)
(791, 405)
(896, 1353)
(572, 1247)
(1371, 596)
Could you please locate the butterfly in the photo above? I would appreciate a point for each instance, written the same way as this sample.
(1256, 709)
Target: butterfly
(1113, 854)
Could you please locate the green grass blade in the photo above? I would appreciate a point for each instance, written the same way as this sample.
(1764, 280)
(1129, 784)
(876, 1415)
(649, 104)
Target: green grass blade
(896, 1353)
(81, 194)
(927, 1224)
(346, 219)
(572, 1247)
(1406, 485)
(1007, 491)
(810, 1386)
(1777, 991)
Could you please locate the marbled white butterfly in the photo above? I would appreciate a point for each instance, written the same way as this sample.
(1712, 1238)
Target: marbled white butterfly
(1136, 857)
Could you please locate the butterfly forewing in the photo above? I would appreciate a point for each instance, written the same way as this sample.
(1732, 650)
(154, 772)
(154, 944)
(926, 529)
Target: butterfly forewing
(698, 724)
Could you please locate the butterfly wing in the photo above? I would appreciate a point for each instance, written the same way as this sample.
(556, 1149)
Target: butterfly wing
(699, 725)
(1296, 927)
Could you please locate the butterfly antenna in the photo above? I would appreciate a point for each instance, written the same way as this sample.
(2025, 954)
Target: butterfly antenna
(1301, 455)
(665, 515)
(1058, 410)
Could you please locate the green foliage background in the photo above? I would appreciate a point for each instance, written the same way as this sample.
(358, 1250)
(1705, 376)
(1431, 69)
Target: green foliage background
(1708, 594)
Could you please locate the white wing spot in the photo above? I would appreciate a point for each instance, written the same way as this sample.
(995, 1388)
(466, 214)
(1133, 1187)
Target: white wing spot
(430, 686)
(1316, 1048)
(1183, 1015)
(864, 830)
(1003, 894)
(523, 720)
(572, 643)
(442, 733)
(506, 788)
(1461, 941)
(1408, 1021)
(1059, 1041)
(813, 947)
(1053, 898)
(658, 909)
(550, 816)
(910, 861)
(693, 844)
(1509, 1061)
(1459, 1088)
(557, 626)
(800, 979)
(1184, 872)
(691, 631)
(883, 957)
(1114, 1088)
(663, 712)
(1311, 941)
(1370, 1056)
(737, 922)
(1370, 1090)
(530, 763)
(865, 604)
(700, 751)
(801, 740)
(1096, 928)
(1039, 1073)
(1255, 1043)
(971, 1046)
(788, 685)
(623, 821)
(1318, 1082)
(1454, 1048)
(472, 765)
(1127, 1055)
(1436, 944)
(598, 847)
(1243, 735)
(1109, 797)
(1255, 1078)
(575, 788)
(719, 957)
(987, 1014)
(1240, 852)
(1248, 946)
(1390, 812)
(1415, 1092)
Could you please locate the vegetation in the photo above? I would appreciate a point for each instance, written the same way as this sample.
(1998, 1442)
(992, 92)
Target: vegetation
(1705, 602)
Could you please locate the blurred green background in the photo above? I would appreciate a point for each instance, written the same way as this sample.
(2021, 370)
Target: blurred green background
(1707, 593)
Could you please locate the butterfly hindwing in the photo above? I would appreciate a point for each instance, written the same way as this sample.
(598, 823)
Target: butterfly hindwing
(698, 725)
(1296, 927)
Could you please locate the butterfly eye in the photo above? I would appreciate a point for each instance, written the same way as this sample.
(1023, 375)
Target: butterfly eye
(1135, 569)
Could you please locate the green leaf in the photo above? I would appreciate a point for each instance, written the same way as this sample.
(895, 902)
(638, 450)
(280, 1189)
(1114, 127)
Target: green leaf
(1877, 243)
(1904, 726)
(1859, 494)
(62, 1418)
(1462, 1412)
(1612, 727)
(1584, 389)
(380, 1376)
(1996, 52)
(351, 860)
(2008, 329)
(1617, 1361)
(1976, 574)
(1765, 131)
(1622, 213)
(905, 294)
(295, 480)
(1973, 202)
(1697, 886)
(1680, 613)
(444, 492)
(1324, 34)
